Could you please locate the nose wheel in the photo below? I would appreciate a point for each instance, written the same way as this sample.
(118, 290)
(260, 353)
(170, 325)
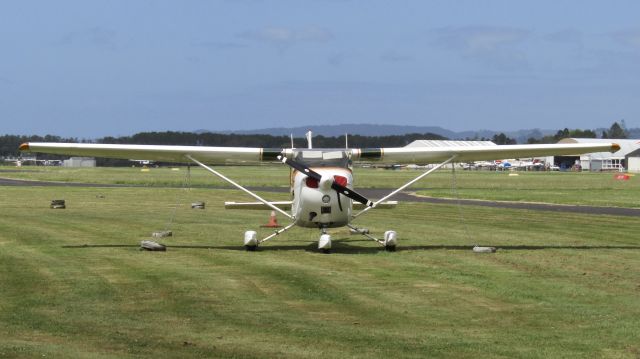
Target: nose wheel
(324, 244)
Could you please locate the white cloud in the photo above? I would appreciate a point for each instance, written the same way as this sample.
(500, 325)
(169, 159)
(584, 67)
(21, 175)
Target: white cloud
(392, 56)
(220, 45)
(336, 59)
(479, 39)
(566, 36)
(494, 46)
(630, 37)
(96, 36)
(283, 37)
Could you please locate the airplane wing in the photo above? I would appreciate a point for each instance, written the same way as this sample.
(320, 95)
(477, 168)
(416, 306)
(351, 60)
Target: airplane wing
(211, 155)
(287, 205)
(426, 155)
(234, 155)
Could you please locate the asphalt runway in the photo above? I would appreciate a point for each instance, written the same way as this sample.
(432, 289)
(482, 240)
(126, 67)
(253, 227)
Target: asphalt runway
(379, 193)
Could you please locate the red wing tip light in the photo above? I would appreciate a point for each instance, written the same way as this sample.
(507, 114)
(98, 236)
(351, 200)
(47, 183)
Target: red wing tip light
(615, 147)
(24, 147)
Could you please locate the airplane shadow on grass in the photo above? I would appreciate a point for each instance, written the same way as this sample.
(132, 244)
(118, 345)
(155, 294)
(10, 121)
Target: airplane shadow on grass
(344, 246)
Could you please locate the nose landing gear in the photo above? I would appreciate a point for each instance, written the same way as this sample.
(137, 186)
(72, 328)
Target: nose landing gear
(324, 244)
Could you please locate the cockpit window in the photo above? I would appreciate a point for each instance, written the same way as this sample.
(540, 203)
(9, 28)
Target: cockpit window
(333, 155)
(311, 155)
(323, 158)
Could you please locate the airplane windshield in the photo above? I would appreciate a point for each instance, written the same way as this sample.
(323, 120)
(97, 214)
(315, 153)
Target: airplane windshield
(323, 158)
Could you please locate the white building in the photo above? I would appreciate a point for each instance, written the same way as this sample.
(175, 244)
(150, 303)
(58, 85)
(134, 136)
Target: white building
(448, 143)
(633, 161)
(79, 162)
(601, 161)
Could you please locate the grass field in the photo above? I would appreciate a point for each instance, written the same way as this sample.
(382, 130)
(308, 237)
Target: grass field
(74, 284)
(597, 189)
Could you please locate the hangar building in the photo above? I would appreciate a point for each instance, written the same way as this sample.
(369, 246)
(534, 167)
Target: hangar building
(633, 161)
(439, 143)
(448, 143)
(79, 162)
(600, 161)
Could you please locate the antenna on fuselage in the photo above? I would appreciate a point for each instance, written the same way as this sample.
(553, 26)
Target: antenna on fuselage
(292, 141)
(308, 135)
(346, 140)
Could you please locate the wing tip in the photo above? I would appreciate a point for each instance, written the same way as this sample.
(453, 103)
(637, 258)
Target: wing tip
(24, 147)
(615, 147)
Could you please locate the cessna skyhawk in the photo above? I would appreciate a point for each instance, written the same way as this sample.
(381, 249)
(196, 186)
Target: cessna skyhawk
(322, 194)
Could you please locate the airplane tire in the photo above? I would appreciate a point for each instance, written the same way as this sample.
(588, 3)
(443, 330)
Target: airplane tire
(326, 251)
(250, 248)
(390, 248)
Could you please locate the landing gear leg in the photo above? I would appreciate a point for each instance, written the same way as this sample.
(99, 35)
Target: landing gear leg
(250, 239)
(251, 242)
(390, 238)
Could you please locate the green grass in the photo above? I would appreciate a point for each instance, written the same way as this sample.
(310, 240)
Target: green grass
(153, 177)
(597, 189)
(561, 285)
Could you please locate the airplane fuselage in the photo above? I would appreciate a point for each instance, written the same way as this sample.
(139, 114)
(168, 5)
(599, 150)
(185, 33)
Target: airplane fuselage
(316, 204)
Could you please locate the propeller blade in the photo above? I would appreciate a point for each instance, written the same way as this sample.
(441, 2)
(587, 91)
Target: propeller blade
(351, 194)
(300, 167)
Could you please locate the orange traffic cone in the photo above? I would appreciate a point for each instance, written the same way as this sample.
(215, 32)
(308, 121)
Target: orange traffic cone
(273, 221)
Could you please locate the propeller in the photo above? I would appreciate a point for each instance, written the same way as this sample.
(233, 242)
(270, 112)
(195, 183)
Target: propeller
(341, 189)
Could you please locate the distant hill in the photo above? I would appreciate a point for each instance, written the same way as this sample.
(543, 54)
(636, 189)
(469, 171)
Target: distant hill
(387, 130)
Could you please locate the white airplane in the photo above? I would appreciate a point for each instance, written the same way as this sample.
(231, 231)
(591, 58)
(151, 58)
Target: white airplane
(142, 162)
(322, 180)
(20, 161)
(17, 162)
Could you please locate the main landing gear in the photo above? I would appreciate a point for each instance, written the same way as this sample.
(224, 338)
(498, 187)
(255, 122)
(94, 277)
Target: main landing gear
(251, 241)
(389, 242)
(324, 243)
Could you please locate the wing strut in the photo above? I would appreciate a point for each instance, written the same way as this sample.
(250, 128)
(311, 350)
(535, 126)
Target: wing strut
(228, 180)
(404, 186)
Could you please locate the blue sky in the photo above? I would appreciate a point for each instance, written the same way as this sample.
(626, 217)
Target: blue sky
(95, 68)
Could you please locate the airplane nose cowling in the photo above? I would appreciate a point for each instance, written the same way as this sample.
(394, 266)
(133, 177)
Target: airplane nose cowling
(326, 182)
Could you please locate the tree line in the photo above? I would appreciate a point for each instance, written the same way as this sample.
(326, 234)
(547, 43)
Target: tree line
(617, 130)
